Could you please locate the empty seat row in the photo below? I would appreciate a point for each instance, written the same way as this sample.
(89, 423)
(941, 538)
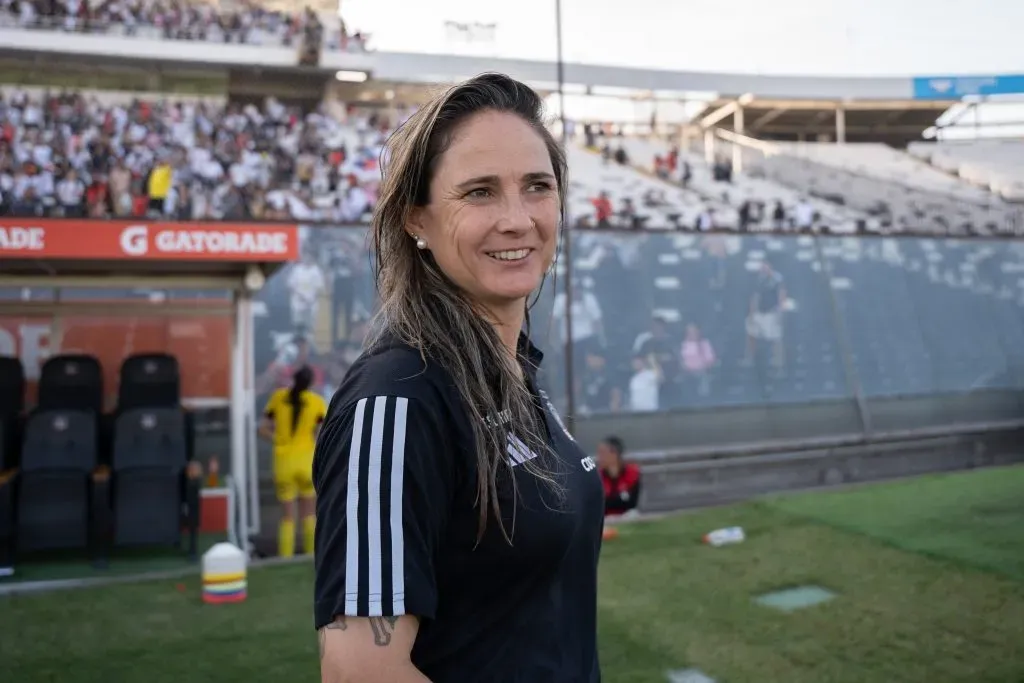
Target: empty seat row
(76, 478)
(75, 381)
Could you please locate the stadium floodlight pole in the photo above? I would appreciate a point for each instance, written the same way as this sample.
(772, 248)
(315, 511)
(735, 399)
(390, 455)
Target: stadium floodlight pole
(570, 388)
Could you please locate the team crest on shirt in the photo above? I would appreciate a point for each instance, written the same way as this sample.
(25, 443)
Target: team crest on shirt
(554, 413)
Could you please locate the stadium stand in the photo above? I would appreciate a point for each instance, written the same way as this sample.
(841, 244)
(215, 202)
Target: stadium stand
(897, 206)
(635, 201)
(884, 163)
(996, 165)
(862, 186)
(247, 22)
(113, 155)
(109, 154)
(766, 198)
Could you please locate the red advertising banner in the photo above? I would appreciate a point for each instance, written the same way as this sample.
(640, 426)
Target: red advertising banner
(41, 238)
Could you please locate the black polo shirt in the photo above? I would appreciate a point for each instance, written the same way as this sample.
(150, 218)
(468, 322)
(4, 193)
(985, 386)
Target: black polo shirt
(396, 533)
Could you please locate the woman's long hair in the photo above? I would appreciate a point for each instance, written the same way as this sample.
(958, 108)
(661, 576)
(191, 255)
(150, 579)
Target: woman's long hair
(425, 309)
(302, 380)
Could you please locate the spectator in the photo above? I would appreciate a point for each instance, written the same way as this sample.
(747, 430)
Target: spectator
(159, 187)
(71, 195)
(119, 185)
(603, 209)
(587, 329)
(804, 214)
(687, 174)
(764, 320)
(621, 480)
(778, 215)
(306, 284)
(644, 385)
(698, 357)
(598, 390)
(657, 346)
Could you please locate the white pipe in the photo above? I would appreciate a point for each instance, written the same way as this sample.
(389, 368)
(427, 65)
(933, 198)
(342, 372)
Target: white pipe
(239, 359)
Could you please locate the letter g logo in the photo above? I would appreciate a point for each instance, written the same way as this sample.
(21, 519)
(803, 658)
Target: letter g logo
(135, 240)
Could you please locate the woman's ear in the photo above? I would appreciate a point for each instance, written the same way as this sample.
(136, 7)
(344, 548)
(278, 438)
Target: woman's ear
(414, 224)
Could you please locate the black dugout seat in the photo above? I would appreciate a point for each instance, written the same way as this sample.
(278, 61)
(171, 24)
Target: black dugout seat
(12, 397)
(71, 382)
(58, 497)
(150, 380)
(61, 494)
(12, 403)
(156, 494)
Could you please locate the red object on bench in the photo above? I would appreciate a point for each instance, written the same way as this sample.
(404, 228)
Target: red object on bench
(213, 510)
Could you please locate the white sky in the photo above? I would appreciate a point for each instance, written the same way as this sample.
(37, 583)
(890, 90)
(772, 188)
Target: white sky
(826, 37)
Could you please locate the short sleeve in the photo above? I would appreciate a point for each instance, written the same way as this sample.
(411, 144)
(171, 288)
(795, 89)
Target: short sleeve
(384, 485)
(272, 404)
(321, 409)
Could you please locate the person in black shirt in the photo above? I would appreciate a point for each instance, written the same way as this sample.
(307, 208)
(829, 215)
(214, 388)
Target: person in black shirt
(458, 523)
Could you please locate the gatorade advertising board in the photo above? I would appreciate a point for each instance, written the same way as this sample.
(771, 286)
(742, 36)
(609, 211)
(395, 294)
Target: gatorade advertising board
(41, 238)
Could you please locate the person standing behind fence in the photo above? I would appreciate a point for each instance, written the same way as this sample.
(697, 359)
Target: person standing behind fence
(764, 319)
(291, 421)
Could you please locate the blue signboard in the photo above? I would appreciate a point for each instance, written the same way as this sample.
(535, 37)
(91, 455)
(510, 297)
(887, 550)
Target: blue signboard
(955, 87)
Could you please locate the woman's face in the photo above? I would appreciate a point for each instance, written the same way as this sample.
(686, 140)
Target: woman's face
(492, 220)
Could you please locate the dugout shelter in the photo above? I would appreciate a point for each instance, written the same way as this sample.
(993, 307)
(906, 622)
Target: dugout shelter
(88, 466)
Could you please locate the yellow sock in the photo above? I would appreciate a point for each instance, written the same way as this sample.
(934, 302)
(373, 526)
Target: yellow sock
(308, 530)
(286, 538)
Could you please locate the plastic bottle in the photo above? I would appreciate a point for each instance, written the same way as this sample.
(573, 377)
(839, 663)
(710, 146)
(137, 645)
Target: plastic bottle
(718, 537)
(213, 473)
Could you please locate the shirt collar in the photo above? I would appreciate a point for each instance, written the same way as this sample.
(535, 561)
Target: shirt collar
(526, 348)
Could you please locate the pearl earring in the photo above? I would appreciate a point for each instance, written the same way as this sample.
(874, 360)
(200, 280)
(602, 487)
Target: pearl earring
(421, 243)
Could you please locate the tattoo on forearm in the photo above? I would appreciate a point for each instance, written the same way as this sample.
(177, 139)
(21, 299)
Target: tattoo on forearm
(338, 624)
(383, 627)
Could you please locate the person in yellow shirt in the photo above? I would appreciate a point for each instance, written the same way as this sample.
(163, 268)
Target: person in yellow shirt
(158, 186)
(291, 422)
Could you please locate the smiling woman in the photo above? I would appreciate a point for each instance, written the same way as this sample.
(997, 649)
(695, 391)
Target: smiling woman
(458, 531)
(494, 226)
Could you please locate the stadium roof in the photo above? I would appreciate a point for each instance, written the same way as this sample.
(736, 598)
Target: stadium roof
(895, 122)
(405, 67)
(439, 68)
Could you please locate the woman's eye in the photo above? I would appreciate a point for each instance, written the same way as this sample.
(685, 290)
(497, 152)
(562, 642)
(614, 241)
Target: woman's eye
(479, 193)
(540, 187)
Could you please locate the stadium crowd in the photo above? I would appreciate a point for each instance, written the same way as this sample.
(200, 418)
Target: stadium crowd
(72, 155)
(247, 22)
